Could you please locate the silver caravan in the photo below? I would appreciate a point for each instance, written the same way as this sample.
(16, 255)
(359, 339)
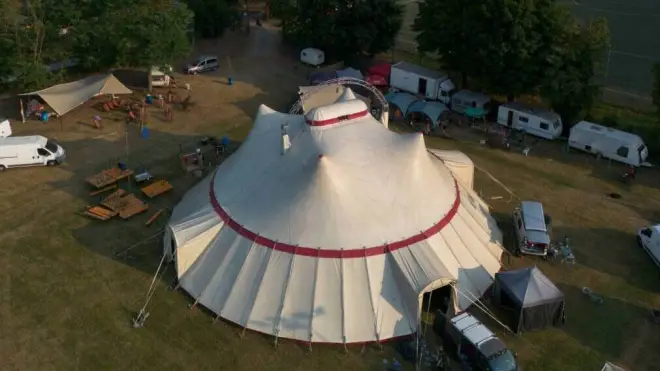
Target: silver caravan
(609, 143)
(532, 120)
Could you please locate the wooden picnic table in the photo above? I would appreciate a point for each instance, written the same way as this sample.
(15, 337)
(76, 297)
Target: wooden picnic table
(157, 188)
(133, 206)
(100, 213)
(108, 177)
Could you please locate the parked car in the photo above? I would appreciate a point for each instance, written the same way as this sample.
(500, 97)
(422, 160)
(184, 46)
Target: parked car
(29, 151)
(312, 56)
(609, 143)
(204, 63)
(648, 238)
(532, 229)
(476, 347)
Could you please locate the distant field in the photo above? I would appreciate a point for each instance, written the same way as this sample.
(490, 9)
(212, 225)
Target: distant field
(635, 34)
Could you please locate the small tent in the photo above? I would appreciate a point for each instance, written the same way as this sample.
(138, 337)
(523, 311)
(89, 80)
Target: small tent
(536, 302)
(350, 72)
(612, 367)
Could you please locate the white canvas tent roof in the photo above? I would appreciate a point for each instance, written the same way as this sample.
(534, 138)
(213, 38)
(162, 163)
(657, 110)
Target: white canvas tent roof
(334, 239)
(317, 96)
(612, 367)
(63, 98)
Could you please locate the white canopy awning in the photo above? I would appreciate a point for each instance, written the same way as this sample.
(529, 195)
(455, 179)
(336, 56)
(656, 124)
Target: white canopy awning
(63, 98)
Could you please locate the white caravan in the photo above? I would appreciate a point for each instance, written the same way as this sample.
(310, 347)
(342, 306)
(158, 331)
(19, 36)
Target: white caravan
(313, 57)
(433, 85)
(648, 238)
(532, 120)
(5, 128)
(464, 100)
(608, 143)
(30, 151)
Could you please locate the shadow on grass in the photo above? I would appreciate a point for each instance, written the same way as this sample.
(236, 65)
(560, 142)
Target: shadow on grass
(602, 327)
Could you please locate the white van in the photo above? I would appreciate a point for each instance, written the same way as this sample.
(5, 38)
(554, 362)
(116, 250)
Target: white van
(312, 56)
(608, 143)
(30, 151)
(159, 78)
(648, 238)
(5, 128)
(532, 120)
(422, 81)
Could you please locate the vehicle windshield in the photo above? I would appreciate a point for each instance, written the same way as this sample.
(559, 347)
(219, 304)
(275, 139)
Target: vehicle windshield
(556, 124)
(51, 147)
(503, 361)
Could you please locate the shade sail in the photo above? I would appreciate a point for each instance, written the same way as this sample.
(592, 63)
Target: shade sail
(63, 98)
(335, 237)
(402, 101)
(432, 110)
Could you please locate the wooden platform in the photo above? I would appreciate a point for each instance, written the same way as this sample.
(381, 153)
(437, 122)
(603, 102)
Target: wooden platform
(157, 188)
(115, 200)
(100, 213)
(108, 177)
(132, 206)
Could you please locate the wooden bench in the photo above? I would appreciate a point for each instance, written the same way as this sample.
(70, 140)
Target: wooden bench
(157, 188)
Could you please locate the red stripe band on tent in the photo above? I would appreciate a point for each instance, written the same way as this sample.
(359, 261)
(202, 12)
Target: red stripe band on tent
(335, 253)
(337, 120)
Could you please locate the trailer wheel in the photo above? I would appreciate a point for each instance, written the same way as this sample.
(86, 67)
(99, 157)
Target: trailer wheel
(2, 168)
(51, 163)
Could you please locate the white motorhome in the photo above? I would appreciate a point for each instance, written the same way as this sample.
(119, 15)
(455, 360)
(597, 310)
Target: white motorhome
(532, 120)
(159, 78)
(608, 143)
(433, 85)
(312, 56)
(5, 128)
(30, 151)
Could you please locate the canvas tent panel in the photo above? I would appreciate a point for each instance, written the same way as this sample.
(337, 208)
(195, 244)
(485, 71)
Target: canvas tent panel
(350, 72)
(328, 324)
(402, 101)
(296, 318)
(360, 319)
(272, 290)
(612, 367)
(63, 98)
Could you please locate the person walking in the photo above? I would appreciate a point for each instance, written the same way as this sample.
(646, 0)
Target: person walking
(96, 121)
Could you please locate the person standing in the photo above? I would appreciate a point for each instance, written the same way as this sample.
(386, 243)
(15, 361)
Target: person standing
(96, 120)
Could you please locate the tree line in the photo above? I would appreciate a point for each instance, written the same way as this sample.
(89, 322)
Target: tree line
(508, 47)
(99, 35)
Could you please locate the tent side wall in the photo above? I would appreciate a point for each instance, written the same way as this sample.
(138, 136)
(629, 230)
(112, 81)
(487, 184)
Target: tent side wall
(542, 316)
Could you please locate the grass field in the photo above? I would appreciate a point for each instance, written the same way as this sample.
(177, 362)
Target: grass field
(66, 303)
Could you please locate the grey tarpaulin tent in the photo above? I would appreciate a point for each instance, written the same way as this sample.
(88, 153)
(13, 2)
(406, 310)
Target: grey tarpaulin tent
(535, 300)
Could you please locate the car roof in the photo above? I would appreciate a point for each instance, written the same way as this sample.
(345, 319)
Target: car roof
(473, 330)
(15, 141)
(205, 57)
(533, 215)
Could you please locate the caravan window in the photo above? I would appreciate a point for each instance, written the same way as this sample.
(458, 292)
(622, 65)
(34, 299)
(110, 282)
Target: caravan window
(545, 126)
(641, 148)
(622, 151)
(556, 124)
(523, 119)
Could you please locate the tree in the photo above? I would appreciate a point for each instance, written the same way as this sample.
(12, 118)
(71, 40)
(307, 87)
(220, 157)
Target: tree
(212, 17)
(100, 34)
(569, 85)
(343, 28)
(656, 87)
(507, 45)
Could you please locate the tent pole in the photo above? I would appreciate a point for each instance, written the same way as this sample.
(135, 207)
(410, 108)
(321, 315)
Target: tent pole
(243, 332)
(428, 309)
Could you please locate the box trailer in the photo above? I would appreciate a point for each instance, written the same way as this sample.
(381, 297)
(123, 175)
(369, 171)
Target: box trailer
(30, 151)
(532, 120)
(608, 143)
(432, 85)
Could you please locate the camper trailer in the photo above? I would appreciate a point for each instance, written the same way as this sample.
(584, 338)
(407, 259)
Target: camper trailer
(608, 143)
(433, 85)
(29, 151)
(313, 57)
(532, 120)
(467, 99)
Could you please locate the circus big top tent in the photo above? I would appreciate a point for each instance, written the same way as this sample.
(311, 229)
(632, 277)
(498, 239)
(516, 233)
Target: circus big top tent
(327, 227)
